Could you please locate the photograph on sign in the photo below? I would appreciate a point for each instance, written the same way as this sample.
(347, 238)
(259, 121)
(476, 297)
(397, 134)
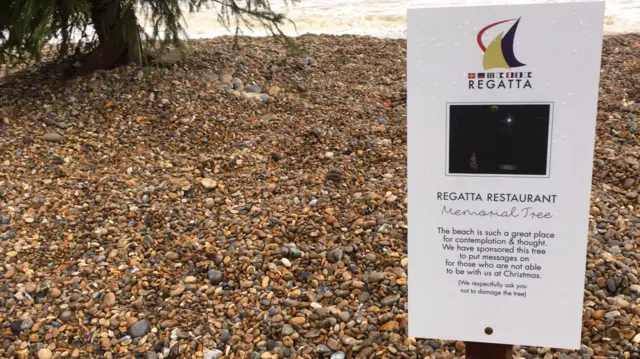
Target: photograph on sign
(499, 139)
(502, 105)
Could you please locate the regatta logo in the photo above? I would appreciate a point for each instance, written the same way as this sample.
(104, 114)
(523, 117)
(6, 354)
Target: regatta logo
(499, 54)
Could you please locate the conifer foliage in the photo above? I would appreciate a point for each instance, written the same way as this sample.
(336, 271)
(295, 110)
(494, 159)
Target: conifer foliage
(109, 33)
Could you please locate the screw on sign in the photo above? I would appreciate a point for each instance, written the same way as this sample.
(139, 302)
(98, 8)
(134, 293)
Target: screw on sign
(475, 350)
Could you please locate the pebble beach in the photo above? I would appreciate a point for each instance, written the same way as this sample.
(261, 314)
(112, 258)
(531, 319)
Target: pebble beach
(250, 204)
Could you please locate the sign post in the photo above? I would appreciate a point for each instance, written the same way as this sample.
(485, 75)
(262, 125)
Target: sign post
(502, 104)
(488, 351)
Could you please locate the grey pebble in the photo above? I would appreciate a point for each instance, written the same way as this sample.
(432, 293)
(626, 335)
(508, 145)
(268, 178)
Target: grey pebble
(140, 329)
(295, 253)
(323, 349)
(253, 88)
(628, 183)
(225, 336)
(8, 235)
(67, 316)
(612, 314)
(16, 326)
(49, 121)
(238, 85)
(344, 316)
(290, 303)
(335, 255)
(215, 276)
(27, 323)
(376, 277)
(287, 330)
(390, 299)
(338, 355)
(52, 137)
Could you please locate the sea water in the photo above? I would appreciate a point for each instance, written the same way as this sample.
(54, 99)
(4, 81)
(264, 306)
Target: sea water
(383, 18)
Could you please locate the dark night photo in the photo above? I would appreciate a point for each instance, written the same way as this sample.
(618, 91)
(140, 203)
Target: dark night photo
(502, 139)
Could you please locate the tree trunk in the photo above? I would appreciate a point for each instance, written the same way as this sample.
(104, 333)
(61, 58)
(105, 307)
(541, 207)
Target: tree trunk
(118, 35)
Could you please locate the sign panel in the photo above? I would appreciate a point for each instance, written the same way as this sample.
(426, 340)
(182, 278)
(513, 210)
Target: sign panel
(502, 105)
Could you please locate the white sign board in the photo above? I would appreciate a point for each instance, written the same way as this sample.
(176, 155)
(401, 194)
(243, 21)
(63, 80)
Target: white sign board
(502, 104)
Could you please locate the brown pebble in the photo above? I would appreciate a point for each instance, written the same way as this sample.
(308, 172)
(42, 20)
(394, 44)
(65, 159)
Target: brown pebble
(45, 353)
(330, 219)
(297, 320)
(390, 326)
(598, 314)
(333, 344)
(209, 203)
(273, 90)
(55, 292)
(109, 300)
(287, 341)
(30, 287)
(169, 323)
(105, 343)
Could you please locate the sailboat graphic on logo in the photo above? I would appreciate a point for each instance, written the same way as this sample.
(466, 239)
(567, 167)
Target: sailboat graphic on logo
(499, 53)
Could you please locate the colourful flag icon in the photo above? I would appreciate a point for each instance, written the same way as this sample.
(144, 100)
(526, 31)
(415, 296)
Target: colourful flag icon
(471, 76)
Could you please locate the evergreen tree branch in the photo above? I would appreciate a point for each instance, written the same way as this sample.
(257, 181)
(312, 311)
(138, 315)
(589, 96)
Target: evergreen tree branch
(27, 26)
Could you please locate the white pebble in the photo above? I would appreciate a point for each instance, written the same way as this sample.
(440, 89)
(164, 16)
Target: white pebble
(286, 262)
(213, 354)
